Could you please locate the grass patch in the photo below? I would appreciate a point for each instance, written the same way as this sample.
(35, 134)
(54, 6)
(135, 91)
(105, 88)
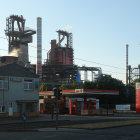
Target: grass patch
(104, 124)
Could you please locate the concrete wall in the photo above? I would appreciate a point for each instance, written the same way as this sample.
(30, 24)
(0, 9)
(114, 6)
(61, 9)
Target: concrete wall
(16, 93)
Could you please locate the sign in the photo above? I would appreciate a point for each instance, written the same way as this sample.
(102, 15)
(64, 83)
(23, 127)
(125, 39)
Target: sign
(123, 107)
(137, 85)
(24, 117)
(137, 97)
(16, 79)
(78, 90)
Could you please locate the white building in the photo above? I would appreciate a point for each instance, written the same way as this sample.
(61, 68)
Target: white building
(18, 90)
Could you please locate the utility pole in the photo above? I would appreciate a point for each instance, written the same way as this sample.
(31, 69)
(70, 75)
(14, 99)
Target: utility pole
(56, 99)
(127, 88)
(129, 73)
(57, 94)
(56, 113)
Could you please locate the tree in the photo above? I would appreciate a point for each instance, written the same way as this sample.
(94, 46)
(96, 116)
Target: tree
(73, 85)
(43, 87)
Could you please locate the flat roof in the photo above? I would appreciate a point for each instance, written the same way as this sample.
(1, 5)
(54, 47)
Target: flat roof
(82, 92)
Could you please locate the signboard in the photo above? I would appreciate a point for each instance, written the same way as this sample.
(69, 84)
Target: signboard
(16, 79)
(137, 97)
(78, 90)
(123, 107)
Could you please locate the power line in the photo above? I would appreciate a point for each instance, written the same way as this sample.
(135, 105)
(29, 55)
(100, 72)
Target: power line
(3, 50)
(3, 37)
(99, 63)
(36, 47)
(36, 57)
(114, 72)
(80, 59)
(15, 53)
(28, 45)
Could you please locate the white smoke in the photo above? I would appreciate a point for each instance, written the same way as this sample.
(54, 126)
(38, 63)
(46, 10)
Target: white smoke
(67, 27)
(14, 52)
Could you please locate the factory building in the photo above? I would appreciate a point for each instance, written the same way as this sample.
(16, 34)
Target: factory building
(18, 88)
(58, 67)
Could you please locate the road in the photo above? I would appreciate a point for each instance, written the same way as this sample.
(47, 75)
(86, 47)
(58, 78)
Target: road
(118, 133)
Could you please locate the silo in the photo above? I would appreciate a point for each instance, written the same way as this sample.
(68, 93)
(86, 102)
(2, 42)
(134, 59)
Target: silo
(39, 47)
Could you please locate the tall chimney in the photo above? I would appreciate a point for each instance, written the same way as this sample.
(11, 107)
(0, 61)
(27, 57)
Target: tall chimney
(39, 48)
(126, 64)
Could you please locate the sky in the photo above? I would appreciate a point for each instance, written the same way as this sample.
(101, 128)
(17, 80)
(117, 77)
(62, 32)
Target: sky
(101, 29)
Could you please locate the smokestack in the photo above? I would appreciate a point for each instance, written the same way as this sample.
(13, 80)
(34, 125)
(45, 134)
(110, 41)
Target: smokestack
(39, 47)
(126, 64)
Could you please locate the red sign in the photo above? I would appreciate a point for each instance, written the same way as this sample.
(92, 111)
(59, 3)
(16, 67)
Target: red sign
(137, 97)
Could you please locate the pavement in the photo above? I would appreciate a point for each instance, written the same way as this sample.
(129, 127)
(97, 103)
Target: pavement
(47, 117)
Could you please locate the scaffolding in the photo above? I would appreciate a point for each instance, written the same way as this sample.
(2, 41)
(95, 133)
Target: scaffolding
(133, 73)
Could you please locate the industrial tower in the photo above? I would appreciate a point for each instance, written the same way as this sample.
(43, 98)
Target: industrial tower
(59, 67)
(18, 37)
(39, 48)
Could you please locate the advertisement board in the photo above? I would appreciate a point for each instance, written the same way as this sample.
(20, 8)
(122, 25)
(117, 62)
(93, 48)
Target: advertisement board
(137, 97)
(123, 107)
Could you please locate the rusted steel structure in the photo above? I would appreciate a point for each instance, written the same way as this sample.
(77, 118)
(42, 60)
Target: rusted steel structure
(61, 55)
(18, 37)
(59, 67)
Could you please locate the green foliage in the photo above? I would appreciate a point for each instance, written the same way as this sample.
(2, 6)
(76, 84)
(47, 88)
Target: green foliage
(43, 87)
(106, 83)
(73, 85)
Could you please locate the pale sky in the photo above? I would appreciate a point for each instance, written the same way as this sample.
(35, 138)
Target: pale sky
(101, 29)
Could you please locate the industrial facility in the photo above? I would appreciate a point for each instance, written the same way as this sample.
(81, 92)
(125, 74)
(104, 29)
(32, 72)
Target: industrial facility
(57, 69)
(18, 37)
(19, 84)
(58, 66)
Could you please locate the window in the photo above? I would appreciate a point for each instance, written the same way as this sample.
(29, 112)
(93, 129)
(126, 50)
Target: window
(3, 84)
(36, 84)
(28, 85)
(2, 109)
